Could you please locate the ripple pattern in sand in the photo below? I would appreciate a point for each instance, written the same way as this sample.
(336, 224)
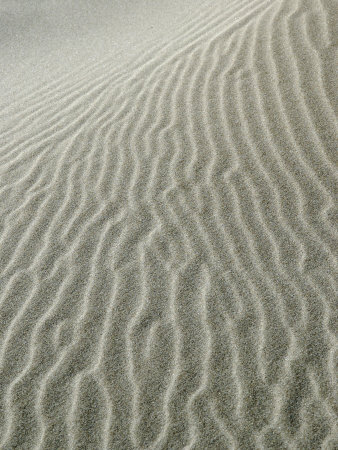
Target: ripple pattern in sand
(168, 243)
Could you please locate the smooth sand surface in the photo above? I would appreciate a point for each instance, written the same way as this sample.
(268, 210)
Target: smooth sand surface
(168, 224)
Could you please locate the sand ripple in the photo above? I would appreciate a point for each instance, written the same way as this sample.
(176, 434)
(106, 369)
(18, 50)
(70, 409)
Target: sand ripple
(168, 242)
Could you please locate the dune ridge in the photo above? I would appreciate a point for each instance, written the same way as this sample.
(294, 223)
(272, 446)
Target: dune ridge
(168, 242)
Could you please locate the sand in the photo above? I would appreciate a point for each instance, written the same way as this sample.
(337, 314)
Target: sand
(168, 224)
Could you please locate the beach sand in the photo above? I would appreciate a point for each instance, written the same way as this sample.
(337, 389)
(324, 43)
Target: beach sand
(168, 224)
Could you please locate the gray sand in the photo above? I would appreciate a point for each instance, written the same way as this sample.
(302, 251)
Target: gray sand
(168, 224)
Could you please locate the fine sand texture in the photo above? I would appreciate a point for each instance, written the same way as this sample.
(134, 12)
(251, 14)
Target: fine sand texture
(168, 224)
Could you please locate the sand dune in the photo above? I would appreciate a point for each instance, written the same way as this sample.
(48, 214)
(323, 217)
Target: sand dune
(168, 240)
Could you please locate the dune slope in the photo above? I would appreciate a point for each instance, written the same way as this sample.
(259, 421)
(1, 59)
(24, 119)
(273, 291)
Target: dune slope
(168, 240)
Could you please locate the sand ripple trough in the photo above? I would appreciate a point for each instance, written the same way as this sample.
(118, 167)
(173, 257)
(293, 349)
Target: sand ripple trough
(168, 241)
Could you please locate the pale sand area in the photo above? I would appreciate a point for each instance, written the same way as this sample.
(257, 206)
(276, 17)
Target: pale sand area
(168, 224)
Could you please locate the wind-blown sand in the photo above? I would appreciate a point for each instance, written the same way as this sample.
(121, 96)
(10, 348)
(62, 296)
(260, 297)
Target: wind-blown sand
(168, 240)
